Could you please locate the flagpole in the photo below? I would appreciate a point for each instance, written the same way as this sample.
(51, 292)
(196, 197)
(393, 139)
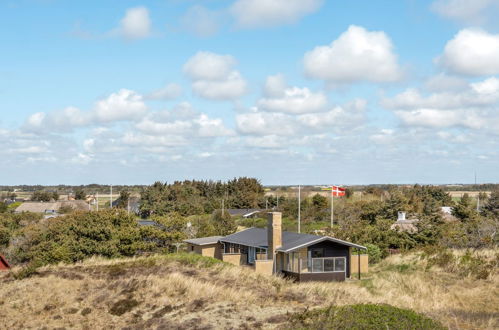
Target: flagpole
(299, 207)
(332, 206)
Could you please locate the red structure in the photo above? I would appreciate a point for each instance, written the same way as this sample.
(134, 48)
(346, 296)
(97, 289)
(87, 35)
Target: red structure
(4, 265)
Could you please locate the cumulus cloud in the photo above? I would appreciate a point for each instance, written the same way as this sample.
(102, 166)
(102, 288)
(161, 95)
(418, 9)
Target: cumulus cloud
(169, 92)
(473, 108)
(177, 122)
(136, 24)
(352, 114)
(213, 76)
(466, 11)
(201, 21)
(264, 13)
(265, 123)
(437, 118)
(442, 82)
(123, 105)
(357, 55)
(58, 121)
(472, 52)
(209, 66)
(267, 142)
(480, 94)
(286, 124)
(281, 98)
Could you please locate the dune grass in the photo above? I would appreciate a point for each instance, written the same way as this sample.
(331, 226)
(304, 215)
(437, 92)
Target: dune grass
(189, 291)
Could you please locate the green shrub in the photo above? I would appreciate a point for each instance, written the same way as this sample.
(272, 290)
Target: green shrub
(77, 236)
(374, 253)
(362, 316)
(193, 259)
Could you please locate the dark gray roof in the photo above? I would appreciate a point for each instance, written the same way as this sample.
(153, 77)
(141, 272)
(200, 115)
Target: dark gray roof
(242, 212)
(204, 240)
(290, 241)
(148, 223)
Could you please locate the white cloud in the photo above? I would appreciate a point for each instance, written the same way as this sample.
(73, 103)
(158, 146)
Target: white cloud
(472, 52)
(263, 13)
(230, 88)
(479, 94)
(208, 127)
(136, 24)
(281, 98)
(123, 105)
(466, 11)
(440, 118)
(357, 55)
(265, 123)
(57, 121)
(340, 116)
(487, 87)
(476, 107)
(169, 92)
(443, 82)
(177, 122)
(213, 76)
(384, 136)
(283, 124)
(152, 127)
(209, 66)
(267, 142)
(143, 140)
(201, 21)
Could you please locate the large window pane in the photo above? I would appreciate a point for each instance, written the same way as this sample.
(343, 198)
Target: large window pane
(339, 264)
(317, 265)
(317, 253)
(328, 265)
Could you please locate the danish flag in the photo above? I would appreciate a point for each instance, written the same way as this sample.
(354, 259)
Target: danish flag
(337, 191)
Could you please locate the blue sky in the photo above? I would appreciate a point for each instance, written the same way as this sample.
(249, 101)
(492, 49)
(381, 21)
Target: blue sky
(288, 91)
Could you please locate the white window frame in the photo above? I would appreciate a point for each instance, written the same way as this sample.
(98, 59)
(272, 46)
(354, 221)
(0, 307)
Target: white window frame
(334, 265)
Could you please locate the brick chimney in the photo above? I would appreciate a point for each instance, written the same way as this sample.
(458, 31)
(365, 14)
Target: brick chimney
(274, 233)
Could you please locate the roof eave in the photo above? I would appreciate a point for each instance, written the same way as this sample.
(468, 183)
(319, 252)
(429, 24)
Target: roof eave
(325, 238)
(243, 243)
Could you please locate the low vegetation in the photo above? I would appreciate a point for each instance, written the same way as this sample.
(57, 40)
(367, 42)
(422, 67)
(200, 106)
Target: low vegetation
(363, 316)
(187, 291)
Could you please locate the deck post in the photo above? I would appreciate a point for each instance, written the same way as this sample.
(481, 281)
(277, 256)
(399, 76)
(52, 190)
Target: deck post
(358, 259)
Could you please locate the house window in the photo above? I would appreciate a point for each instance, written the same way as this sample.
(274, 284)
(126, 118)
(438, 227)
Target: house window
(317, 253)
(328, 265)
(339, 264)
(317, 266)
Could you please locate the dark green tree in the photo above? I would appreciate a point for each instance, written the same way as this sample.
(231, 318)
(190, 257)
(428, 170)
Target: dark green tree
(223, 223)
(122, 201)
(80, 194)
(464, 209)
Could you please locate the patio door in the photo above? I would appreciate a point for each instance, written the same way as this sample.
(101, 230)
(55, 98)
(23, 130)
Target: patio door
(251, 254)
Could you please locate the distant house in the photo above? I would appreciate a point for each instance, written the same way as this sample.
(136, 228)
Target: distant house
(446, 212)
(405, 225)
(302, 257)
(4, 265)
(245, 213)
(52, 208)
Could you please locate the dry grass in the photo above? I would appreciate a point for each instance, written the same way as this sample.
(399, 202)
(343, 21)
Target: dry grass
(159, 292)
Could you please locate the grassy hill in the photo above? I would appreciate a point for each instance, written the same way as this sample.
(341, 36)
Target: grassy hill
(191, 292)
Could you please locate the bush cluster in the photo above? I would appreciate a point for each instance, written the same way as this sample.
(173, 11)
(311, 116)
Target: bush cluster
(363, 316)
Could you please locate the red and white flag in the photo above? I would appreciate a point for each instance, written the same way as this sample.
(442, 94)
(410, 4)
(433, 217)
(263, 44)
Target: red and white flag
(337, 191)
